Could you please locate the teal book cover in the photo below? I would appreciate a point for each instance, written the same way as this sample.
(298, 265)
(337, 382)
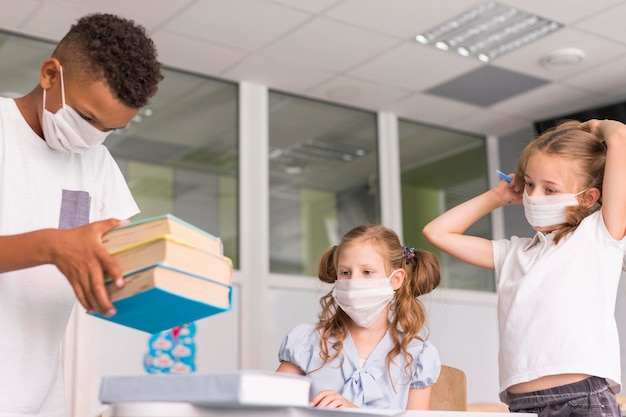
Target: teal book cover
(161, 297)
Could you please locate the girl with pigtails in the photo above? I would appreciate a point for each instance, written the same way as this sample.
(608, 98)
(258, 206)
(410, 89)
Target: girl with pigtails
(366, 350)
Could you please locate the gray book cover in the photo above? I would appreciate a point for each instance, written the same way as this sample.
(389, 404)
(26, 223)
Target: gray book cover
(235, 388)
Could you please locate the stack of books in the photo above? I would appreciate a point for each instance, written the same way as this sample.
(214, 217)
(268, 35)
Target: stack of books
(174, 273)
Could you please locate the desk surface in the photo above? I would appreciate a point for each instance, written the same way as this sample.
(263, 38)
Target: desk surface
(188, 410)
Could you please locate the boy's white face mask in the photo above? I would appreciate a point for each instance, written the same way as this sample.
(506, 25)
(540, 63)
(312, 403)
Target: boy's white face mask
(66, 130)
(363, 300)
(548, 210)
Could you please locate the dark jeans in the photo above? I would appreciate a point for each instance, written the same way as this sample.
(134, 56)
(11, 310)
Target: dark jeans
(591, 397)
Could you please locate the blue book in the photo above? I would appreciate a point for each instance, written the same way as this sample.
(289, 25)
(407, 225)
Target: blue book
(161, 297)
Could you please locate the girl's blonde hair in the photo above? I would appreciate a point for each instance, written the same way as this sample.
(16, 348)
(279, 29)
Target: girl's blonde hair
(407, 313)
(569, 142)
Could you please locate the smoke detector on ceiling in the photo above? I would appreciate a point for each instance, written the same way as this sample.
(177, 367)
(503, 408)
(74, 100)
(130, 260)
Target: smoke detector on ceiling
(563, 58)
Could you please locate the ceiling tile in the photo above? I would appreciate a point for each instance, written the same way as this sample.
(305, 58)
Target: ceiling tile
(563, 12)
(14, 13)
(414, 66)
(51, 21)
(244, 24)
(400, 18)
(359, 93)
(490, 123)
(277, 74)
(431, 109)
(208, 58)
(486, 86)
(605, 79)
(324, 43)
(609, 23)
(548, 101)
(314, 6)
(148, 13)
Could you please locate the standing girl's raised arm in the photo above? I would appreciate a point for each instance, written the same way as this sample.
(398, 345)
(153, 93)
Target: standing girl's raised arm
(613, 191)
(446, 231)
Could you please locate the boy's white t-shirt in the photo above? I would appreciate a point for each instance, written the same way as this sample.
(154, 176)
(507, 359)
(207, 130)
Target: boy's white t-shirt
(41, 188)
(556, 304)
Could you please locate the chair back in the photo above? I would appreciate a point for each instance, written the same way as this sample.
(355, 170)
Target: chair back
(449, 393)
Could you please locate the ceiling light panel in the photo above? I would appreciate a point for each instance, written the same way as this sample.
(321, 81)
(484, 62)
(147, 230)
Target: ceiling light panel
(488, 31)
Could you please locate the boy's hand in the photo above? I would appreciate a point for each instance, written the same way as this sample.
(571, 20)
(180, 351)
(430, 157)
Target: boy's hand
(81, 257)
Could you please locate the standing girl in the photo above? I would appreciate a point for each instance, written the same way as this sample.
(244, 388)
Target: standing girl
(559, 347)
(366, 351)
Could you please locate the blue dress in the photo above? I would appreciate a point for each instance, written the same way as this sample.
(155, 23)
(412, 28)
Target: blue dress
(366, 386)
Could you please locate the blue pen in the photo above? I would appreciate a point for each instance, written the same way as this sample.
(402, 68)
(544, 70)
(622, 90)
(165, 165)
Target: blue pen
(503, 176)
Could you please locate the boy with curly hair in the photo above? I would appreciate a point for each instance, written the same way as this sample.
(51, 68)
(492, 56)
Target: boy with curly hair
(60, 191)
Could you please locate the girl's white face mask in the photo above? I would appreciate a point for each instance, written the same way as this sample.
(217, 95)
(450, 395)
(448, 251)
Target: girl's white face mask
(363, 300)
(548, 210)
(66, 130)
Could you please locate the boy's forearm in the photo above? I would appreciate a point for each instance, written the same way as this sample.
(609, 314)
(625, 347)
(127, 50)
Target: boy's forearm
(25, 250)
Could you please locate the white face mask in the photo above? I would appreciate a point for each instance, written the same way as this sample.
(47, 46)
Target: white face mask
(548, 210)
(66, 130)
(363, 300)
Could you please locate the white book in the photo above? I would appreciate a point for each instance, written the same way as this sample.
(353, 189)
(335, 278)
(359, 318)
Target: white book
(237, 388)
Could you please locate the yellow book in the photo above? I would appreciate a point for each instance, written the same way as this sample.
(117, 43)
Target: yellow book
(167, 224)
(171, 251)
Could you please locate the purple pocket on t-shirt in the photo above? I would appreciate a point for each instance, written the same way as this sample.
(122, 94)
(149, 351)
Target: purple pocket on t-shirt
(75, 207)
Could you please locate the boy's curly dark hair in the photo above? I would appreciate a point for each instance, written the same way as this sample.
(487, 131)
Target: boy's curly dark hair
(107, 47)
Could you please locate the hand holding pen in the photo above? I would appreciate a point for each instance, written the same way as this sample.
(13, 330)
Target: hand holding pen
(514, 194)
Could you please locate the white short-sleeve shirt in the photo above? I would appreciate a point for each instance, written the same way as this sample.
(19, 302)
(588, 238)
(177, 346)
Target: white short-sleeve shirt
(556, 304)
(42, 188)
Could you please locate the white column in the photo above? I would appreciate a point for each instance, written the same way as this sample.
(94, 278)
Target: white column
(253, 221)
(389, 172)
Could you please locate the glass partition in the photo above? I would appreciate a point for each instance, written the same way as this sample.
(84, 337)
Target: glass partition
(323, 178)
(179, 154)
(440, 169)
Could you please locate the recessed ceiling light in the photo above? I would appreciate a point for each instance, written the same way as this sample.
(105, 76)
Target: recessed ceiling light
(488, 31)
(563, 58)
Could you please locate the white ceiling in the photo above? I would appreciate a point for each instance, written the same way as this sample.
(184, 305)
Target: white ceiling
(362, 53)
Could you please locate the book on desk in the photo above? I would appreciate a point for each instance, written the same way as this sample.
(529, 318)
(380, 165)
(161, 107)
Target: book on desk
(169, 279)
(242, 388)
